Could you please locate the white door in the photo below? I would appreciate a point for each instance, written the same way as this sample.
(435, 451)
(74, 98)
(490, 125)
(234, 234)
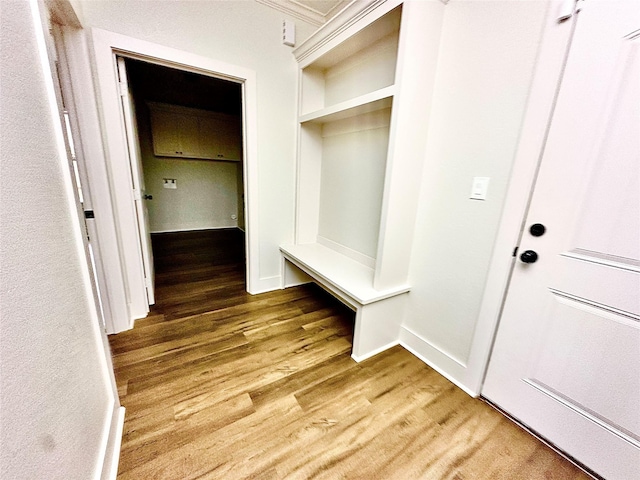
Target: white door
(139, 194)
(566, 360)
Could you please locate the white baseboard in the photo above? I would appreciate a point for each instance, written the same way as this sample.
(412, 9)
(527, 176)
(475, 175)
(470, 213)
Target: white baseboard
(348, 252)
(441, 361)
(268, 284)
(113, 444)
(375, 352)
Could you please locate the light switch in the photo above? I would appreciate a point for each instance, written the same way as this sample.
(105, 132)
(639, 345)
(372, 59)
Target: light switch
(479, 188)
(171, 183)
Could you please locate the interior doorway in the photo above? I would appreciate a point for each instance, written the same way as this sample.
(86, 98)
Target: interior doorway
(188, 152)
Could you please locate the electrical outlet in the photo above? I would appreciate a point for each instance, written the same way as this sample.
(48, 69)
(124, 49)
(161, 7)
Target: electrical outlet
(170, 183)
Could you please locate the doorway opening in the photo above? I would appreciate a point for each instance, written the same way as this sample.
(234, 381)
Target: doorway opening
(190, 138)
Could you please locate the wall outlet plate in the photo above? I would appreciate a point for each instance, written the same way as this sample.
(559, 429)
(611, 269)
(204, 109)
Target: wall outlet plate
(171, 183)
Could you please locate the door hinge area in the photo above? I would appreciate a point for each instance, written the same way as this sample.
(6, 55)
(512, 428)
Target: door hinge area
(122, 88)
(568, 8)
(88, 215)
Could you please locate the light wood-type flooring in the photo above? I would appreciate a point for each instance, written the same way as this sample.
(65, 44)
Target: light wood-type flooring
(220, 384)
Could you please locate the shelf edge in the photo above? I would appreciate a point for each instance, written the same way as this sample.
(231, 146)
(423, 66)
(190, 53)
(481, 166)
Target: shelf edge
(357, 105)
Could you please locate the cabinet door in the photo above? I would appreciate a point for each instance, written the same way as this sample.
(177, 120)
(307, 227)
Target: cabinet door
(230, 139)
(187, 126)
(220, 137)
(166, 140)
(174, 134)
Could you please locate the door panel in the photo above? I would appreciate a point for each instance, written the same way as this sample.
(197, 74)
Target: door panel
(566, 360)
(137, 175)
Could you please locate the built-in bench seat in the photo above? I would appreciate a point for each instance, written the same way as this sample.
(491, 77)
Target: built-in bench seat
(378, 312)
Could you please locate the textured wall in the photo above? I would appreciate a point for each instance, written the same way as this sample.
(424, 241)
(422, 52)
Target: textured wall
(487, 56)
(55, 396)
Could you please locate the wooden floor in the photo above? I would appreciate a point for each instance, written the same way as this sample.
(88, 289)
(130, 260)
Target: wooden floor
(219, 384)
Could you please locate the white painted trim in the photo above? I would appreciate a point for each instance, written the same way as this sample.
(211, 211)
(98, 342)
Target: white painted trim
(342, 26)
(304, 12)
(372, 353)
(549, 68)
(113, 444)
(418, 346)
(296, 10)
(120, 180)
(105, 46)
(267, 284)
(348, 252)
(419, 339)
(105, 246)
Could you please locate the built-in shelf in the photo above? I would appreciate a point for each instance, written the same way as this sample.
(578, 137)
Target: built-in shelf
(339, 272)
(358, 41)
(365, 90)
(370, 102)
(363, 64)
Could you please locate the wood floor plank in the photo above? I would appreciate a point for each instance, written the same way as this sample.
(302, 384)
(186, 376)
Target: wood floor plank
(220, 384)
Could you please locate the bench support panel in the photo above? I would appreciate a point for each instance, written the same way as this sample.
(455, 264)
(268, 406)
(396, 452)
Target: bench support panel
(377, 324)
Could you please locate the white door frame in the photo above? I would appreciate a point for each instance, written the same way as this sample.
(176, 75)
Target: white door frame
(109, 268)
(105, 47)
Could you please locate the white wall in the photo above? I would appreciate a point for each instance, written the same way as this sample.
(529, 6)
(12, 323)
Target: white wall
(352, 182)
(246, 34)
(207, 193)
(56, 397)
(487, 55)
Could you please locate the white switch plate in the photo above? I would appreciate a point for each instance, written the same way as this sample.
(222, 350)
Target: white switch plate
(479, 188)
(171, 183)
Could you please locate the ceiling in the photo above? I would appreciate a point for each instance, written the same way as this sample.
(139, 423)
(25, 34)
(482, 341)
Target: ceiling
(156, 83)
(323, 7)
(316, 12)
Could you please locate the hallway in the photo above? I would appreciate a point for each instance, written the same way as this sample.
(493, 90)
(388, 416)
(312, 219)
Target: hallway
(218, 383)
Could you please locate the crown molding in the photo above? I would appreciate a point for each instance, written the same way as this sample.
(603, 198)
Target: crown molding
(345, 19)
(303, 12)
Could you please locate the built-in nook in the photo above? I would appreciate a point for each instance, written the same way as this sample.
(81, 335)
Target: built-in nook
(362, 126)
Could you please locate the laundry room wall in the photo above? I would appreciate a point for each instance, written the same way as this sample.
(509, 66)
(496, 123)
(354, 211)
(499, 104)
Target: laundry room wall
(206, 193)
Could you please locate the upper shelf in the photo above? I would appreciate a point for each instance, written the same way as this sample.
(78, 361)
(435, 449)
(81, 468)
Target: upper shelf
(342, 37)
(370, 102)
(345, 74)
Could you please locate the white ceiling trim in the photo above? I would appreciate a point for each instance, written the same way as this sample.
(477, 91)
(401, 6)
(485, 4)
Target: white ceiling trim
(303, 12)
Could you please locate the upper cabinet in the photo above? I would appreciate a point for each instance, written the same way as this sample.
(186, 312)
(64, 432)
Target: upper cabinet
(192, 133)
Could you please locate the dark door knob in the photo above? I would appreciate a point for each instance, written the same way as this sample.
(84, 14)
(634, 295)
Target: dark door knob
(529, 256)
(148, 197)
(537, 229)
